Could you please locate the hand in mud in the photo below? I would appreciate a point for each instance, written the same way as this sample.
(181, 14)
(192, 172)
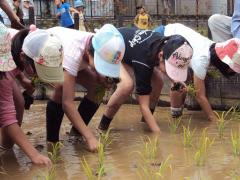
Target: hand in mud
(41, 160)
(92, 144)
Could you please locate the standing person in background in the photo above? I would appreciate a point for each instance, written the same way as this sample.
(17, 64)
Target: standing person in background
(25, 8)
(79, 6)
(224, 27)
(18, 11)
(63, 13)
(142, 19)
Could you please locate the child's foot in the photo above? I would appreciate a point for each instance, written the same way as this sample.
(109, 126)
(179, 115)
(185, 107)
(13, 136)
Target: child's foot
(41, 160)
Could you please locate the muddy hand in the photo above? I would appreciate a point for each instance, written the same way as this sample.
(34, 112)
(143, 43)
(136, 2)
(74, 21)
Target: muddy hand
(41, 160)
(92, 144)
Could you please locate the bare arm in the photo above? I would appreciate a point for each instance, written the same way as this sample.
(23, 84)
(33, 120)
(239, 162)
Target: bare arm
(26, 83)
(72, 113)
(73, 10)
(15, 21)
(144, 101)
(202, 99)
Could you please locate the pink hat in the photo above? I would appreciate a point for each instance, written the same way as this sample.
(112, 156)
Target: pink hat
(229, 53)
(177, 54)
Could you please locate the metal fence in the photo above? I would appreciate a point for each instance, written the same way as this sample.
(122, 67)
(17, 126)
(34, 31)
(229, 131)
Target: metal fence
(127, 8)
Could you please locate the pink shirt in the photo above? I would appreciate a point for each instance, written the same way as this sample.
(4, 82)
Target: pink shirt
(7, 107)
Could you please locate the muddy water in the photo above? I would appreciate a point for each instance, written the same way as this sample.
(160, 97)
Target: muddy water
(122, 161)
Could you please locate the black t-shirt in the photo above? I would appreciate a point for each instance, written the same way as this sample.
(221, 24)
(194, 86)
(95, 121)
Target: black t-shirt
(138, 55)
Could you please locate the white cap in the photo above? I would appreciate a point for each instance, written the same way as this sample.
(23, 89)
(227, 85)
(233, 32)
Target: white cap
(47, 52)
(109, 48)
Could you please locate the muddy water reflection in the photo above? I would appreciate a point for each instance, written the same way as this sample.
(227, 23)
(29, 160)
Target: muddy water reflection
(121, 157)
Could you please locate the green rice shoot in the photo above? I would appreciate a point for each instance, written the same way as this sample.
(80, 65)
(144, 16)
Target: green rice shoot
(202, 149)
(188, 136)
(174, 124)
(222, 121)
(87, 169)
(54, 155)
(235, 140)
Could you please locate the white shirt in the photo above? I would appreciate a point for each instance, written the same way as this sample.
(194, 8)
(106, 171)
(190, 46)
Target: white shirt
(6, 20)
(26, 10)
(200, 44)
(74, 43)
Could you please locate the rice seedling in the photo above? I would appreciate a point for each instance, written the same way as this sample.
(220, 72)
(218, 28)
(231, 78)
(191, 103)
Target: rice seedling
(174, 124)
(191, 90)
(54, 154)
(105, 138)
(222, 121)
(150, 150)
(188, 136)
(101, 160)
(146, 171)
(235, 175)
(204, 144)
(235, 140)
(214, 73)
(87, 169)
(50, 175)
(164, 166)
(235, 113)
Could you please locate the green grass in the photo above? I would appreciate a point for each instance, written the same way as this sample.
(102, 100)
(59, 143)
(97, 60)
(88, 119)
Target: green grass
(54, 154)
(222, 120)
(204, 144)
(188, 136)
(235, 140)
(174, 124)
(87, 169)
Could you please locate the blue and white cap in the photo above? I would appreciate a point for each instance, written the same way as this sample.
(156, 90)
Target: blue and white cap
(78, 3)
(109, 47)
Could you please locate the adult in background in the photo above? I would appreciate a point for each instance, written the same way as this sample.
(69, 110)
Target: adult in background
(25, 8)
(225, 27)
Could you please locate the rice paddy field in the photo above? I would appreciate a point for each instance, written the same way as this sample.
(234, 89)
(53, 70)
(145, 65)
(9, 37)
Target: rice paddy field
(190, 148)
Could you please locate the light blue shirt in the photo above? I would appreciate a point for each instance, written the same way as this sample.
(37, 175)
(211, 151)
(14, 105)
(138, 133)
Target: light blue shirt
(235, 27)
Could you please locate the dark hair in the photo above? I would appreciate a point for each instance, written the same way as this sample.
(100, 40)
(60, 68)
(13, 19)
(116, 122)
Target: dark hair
(221, 66)
(16, 47)
(2, 75)
(156, 47)
(90, 48)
